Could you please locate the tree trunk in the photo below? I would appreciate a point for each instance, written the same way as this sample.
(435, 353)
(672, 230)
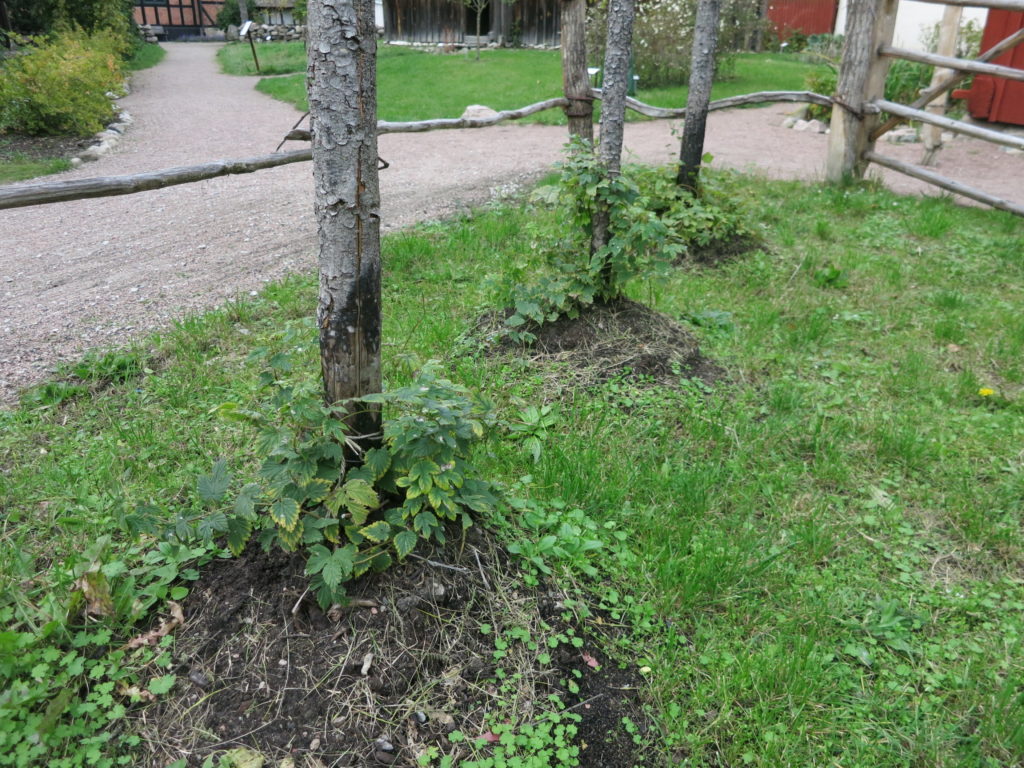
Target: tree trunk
(575, 80)
(613, 104)
(479, 12)
(343, 118)
(243, 11)
(702, 70)
(946, 46)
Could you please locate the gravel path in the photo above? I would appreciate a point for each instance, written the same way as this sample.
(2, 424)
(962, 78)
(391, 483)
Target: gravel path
(96, 273)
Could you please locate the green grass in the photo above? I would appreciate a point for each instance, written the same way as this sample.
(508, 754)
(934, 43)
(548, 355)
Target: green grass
(421, 85)
(831, 537)
(146, 55)
(17, 167)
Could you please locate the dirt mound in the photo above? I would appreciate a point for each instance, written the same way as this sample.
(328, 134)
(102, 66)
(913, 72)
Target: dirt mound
(610, 339)
(449, 641)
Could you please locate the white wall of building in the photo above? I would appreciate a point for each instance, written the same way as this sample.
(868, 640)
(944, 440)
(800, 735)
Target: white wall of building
(914, 20)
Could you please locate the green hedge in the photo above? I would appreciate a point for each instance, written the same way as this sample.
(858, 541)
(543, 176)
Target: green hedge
(60, 86)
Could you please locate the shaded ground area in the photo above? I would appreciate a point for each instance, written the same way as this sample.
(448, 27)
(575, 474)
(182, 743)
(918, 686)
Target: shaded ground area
(96, 273)
(452, 641)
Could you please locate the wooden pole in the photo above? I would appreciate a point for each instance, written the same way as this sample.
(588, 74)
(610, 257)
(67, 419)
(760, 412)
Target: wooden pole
(1003, 5)
(941, 181)
(702, 70)
(951, 63)
(870, 25)
(761, 97)
(940, 121)
(575, 80)
(949, 27)
(343, 119)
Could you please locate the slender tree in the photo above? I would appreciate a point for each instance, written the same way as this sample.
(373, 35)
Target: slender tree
(702, 71)
(621, 14)
(343, 114)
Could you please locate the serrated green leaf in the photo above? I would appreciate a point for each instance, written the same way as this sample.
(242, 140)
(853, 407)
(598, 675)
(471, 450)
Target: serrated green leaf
(377, 461)
(290, 540)
(316, 490)
(245, 504)
(376, 532)
(161, 685)
(239, 531)
(381, 562)
(212, 524)
(318, 557)
(213, 486)
(338, 567)
(360, 493)
(285, 512)
(405, 542)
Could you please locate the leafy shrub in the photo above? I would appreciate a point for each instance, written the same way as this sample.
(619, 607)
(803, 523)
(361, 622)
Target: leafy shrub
(663, 38)
(350, 519)
(230, 13)
(61, 86)
(652, 223)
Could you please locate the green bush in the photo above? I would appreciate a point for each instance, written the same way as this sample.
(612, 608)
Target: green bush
(61, 86)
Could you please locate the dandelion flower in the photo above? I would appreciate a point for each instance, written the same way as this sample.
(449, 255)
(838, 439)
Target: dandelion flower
(986, 392)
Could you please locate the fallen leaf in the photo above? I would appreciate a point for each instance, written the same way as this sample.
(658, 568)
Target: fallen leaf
(166, 627)
(242, 758)
(591, 661)
(490, 737)
(96, 590)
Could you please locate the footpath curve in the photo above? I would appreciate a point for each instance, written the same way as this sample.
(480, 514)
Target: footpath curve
(96, 273)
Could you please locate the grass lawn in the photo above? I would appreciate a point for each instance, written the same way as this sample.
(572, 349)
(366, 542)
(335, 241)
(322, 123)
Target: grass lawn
(830, 537)
(421, 85)
(146, 55)
(17, 167)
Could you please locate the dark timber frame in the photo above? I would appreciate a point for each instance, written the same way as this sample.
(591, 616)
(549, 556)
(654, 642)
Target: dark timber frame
(179, 18)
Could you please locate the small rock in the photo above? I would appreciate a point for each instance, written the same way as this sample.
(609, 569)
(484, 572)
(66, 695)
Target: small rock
(383, 745)
(314, 745)
(385, 758)
(789, 122)
(420, 718)
(199, 679)
(477, 112)
(76, 162)
(816, 126)
(801, 125)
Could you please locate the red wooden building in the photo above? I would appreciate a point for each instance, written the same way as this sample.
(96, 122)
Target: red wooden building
(992, 98)
(179, 18)
(811, 17)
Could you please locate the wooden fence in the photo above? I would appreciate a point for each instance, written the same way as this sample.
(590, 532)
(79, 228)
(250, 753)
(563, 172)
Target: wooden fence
(857, 108)
(857, 115)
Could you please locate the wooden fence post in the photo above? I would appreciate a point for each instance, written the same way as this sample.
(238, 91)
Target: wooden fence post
(946, 46)
(862, 75)
(575, 80)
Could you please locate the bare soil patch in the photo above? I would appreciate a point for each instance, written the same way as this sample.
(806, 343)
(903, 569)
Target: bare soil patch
(449, 641)
(609, 340)
(14, 146)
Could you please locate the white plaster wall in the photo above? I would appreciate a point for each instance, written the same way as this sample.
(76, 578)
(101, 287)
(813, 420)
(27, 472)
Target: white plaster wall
(913, 20)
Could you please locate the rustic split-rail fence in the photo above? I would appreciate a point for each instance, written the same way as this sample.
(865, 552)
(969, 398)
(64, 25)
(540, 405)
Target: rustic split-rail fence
(858, 108)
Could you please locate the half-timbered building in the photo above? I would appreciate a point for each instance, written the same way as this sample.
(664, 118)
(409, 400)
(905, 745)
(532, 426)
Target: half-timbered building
(527, 22)
(179, 18)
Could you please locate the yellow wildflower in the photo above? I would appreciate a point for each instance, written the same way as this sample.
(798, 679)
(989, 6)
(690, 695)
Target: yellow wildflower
(986, 392)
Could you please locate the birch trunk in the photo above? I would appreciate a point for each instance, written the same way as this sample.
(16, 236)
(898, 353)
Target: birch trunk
(702, 70)
(575, 80)
(613, 104)
(343, 115)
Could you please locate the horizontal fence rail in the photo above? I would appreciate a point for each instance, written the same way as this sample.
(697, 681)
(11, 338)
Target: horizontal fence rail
(999, 5)
(941, 181)
(948, 83)
(21, 195)
(951, 62)
(958, 126)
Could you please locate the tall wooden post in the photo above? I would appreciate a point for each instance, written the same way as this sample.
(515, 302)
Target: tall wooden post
(575, 80)
(702, 70)
(618, 48)
(243, 11)
(862, 74)
(945, 46)
(343, 119)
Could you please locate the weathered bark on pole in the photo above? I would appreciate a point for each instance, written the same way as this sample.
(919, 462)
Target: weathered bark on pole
(343, 118)
(702, 71)
(618, 48)
(870, 25)
(575, 79)
(243, 11)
